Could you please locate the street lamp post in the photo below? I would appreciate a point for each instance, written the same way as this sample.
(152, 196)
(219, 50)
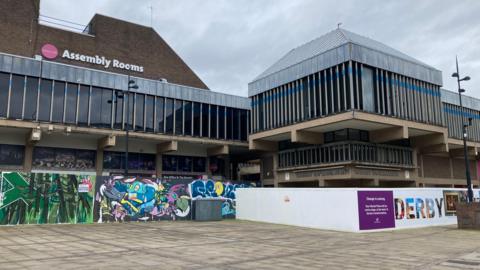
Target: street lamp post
(131, 85)
(122, 94)
(464, 132)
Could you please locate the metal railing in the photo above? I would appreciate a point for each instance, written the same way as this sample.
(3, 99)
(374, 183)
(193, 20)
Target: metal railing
(360, 152)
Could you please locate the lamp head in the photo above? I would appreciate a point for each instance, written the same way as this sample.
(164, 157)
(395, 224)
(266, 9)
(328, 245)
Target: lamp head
(134, 87)
(455, 75)
(466, 78)
(131, 82)
(461, 90)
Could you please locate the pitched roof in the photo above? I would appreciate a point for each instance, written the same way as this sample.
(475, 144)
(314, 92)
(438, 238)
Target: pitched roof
(329, 41)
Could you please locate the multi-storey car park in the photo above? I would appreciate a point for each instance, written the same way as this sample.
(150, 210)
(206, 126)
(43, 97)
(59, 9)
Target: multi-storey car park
(341, 110)
(346, 110)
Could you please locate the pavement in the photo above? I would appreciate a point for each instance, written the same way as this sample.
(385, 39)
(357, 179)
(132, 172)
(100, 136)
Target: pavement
(232, 244)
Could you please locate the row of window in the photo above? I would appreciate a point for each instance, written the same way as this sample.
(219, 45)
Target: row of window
(347, 151)
(344, 87)
(78, 159)
(28, 98)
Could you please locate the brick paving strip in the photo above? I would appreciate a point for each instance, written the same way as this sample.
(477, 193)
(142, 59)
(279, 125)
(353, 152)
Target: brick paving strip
(232, 244)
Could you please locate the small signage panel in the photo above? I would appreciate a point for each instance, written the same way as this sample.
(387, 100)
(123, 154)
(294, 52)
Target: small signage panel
(375, 209)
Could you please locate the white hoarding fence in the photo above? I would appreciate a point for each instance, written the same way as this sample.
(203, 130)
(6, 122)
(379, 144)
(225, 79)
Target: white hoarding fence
(351, 209)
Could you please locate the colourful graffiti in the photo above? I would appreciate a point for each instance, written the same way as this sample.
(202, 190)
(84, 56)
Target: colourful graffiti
(39, 198)
(223, 190)
(140, 199)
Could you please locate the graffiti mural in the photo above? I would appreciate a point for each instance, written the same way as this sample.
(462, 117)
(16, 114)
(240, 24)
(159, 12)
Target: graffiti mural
(120, 199)
(40, 198)
(223, 190)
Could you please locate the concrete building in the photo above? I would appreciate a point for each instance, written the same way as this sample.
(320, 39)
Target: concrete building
(63, 105)
(345, 110)
(341, 110)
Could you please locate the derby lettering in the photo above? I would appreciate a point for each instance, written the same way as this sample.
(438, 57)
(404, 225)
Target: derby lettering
(418, 208)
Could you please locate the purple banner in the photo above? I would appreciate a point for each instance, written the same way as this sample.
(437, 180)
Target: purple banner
(375, 210)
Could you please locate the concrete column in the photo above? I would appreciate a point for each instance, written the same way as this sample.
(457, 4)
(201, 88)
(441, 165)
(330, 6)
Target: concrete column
(28, 158)
(99, 162)
(321, 183)
(415, 161)
(274, 170)
(451, 167)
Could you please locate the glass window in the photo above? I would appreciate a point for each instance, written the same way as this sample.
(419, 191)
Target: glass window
(83, 105)
(354, 134)
(236, 124)
(340, 135)
(221, 122)
(169, 163)
(4, 87)
(133, 159)
(216, 166)
(71, 103)
(11, 154)
(45, 100)
(160, 114)
(169, 116)
(146, 162)
(118, 101)
(31, 96)
(85, 159)
(213, 121)
(178, 117)
(196, 119)
(139, 111)
(367, 89)
(199, 164)
(229, 123)
(107, 108)
(188, 118)
(58, 101)
(243, 125)
(184, 164)
(96, 112)
(149, 113)
(113, 160)
(16, 96)
(364, 137)
(328, 137)
(205, 110)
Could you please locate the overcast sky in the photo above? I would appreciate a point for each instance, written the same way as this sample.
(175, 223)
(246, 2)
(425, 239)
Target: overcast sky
(228, 43)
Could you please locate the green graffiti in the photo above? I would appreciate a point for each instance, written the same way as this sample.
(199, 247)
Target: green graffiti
(13, 189)
(40, 198)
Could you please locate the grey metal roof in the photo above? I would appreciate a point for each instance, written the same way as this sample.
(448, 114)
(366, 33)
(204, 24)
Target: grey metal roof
(74, 74)
(334, 48)
(451, 97)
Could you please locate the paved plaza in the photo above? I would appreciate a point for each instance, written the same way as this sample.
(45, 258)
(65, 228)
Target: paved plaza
(232, 244)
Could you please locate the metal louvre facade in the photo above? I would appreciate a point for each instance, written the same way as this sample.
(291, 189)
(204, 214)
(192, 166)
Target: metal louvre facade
(347, 86)
(455, 117)
(335, 48)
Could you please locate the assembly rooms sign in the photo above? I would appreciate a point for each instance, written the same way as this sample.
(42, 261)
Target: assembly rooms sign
(51, 52)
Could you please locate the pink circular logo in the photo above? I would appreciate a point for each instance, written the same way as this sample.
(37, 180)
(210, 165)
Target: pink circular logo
(49, 51)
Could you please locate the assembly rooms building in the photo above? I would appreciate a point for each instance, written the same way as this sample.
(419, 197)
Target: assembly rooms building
(341, 110)
(63, 107)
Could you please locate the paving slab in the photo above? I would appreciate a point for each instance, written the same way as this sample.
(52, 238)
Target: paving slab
(232, 244)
